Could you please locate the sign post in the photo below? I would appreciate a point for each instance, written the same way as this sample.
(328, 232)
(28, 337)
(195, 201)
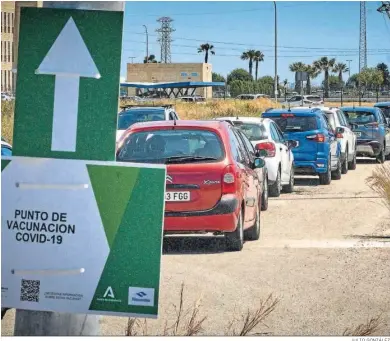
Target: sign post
(81, 234)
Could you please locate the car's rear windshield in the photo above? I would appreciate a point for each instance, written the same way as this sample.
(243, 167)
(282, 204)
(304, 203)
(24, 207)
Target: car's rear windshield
(296, 123)
(128, 118)
(253, 131)
(171, 146)
(361, 117)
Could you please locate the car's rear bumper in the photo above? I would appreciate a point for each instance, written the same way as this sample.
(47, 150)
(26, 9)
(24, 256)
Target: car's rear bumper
(221, 218)
(368, 148)
(311, 167)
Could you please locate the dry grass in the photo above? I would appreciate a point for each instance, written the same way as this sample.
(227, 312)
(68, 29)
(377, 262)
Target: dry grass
(248, 322)
(380, 182)
(7, 120)
(217, 108)
(189, 320)
(371, 327)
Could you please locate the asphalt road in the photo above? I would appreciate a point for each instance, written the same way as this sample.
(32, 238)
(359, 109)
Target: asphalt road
(324, 251)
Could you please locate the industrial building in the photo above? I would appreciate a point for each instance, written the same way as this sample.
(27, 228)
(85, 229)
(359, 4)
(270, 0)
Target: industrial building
(170, 72)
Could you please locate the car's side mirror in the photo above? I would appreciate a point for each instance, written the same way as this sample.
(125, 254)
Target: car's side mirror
(292, 144)
(340, 130)
(388, 121)
(259, 162)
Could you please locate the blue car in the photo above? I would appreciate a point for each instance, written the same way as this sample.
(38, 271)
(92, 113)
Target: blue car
(372, 131)
(318, 150)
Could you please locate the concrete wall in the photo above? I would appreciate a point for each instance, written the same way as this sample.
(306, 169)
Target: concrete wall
(172, 72)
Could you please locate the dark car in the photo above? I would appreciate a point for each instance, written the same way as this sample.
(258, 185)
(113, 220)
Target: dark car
(372, 131)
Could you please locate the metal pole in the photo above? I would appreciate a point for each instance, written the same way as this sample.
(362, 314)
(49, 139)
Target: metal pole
(147, 43)
(45, 323)
(276, 55)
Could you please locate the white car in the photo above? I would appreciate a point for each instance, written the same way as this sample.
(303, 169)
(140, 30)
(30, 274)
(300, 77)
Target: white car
(296, 101)
(264, 134)
(345, 135)
(138, 113)
(251, 96)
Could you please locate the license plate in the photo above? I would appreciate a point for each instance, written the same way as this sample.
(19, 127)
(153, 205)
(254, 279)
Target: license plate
(177, 196)
(358, 133)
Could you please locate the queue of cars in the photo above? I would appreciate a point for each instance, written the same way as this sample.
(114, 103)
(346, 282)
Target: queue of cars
(220, 172)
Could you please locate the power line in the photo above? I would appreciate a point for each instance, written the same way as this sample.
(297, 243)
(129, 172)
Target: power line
(251, 44)
(263, 50)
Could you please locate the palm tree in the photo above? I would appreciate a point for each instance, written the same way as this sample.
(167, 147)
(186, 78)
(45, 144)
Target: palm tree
(312, 72)
(324, 64)
(259, 57)
(206, 48)
(249, 55)
(297, 67)
(340, 68)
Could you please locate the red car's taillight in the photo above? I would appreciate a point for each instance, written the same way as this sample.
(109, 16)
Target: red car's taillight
(228, 180)
(317, 138)
(269, 147)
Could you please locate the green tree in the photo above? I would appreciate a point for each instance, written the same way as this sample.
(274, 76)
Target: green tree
(235, 88)
(334, 83)
(353, 81)
(326, 65)
(206, 48)
(340, 68)
(371, 78)
(297, 67)
(239, 74)
(151, 59)
(259, 57)
(216, 77)
(249, 55)
(382, 67)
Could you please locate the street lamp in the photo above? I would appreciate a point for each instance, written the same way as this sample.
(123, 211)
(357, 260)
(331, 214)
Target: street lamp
(276, 56)
(147, 44)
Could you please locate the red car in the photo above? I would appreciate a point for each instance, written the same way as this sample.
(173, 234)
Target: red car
(214, 176)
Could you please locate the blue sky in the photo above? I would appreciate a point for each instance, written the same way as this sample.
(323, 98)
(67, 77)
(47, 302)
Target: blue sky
(306, 31)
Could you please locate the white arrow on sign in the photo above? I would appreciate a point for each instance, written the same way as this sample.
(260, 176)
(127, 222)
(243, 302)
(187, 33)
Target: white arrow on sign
(68, 59)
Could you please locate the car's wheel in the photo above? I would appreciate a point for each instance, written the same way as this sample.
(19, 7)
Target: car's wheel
(344, 166)
(235, 239)
(253, 233)
(336, 175)
(352, 164)
(264, 196)
(326, 178)
(276, 187)
(381, 157)
(290, 187)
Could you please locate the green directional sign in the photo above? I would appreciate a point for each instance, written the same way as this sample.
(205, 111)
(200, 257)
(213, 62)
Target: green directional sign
(68, 83)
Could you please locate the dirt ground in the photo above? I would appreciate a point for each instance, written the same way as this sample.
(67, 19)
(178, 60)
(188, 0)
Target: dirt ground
(324, 251)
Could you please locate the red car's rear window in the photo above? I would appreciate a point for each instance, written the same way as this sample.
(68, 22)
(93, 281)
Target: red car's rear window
(159, 146)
